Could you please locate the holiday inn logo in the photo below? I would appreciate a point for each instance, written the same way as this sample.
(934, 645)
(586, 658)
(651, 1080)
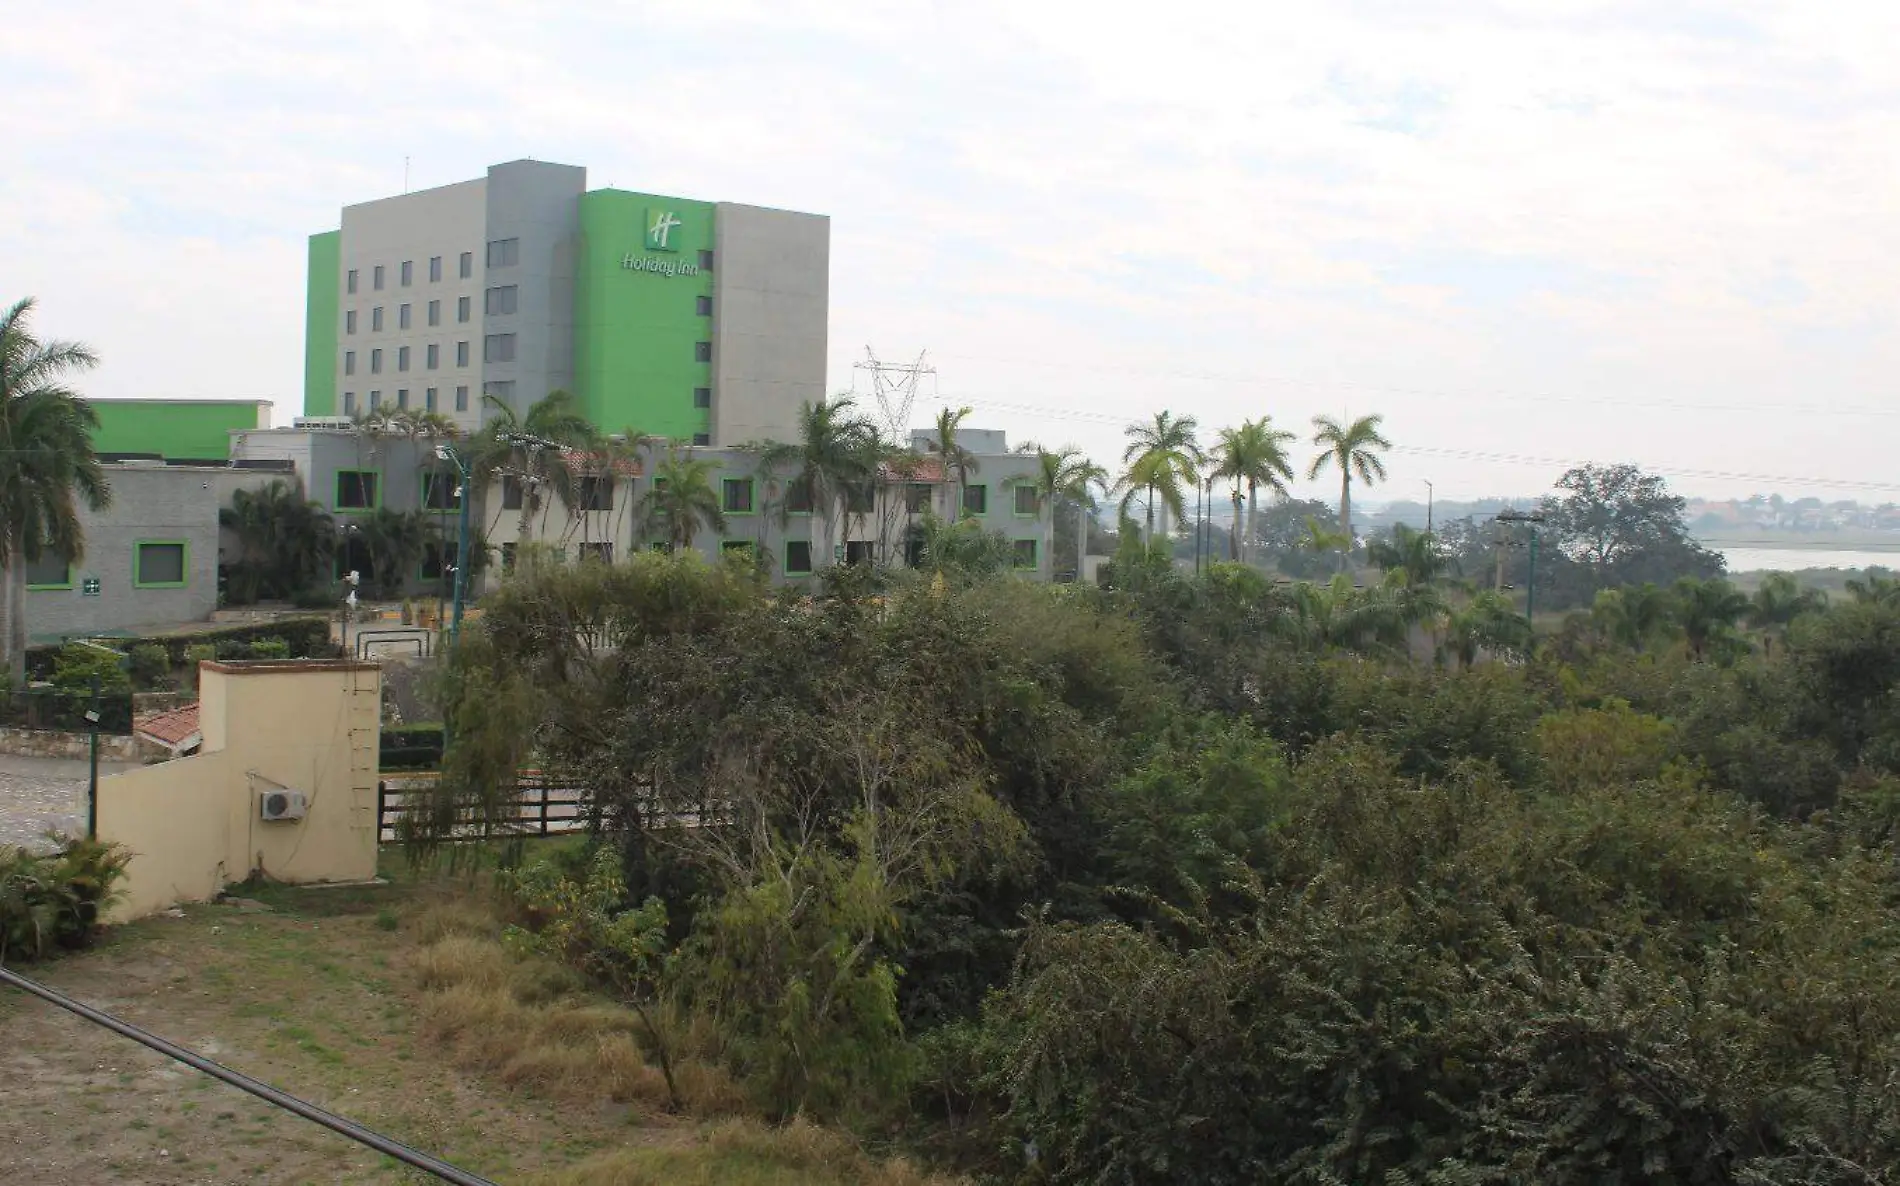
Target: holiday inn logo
(660, 227)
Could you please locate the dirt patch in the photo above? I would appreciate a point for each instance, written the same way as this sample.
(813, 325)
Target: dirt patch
(319, 1004)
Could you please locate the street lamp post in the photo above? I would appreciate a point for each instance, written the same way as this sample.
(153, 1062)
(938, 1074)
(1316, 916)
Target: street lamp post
(445, 453)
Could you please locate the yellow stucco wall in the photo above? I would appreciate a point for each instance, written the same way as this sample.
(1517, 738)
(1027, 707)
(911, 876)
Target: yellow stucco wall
(192, 824)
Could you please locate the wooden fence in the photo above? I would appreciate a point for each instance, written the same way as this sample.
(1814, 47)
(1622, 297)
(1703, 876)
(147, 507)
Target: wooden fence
(541, 809)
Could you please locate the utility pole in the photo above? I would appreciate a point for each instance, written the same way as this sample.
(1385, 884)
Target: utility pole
(1533, 518)
(1429, 494)
(1200, 524)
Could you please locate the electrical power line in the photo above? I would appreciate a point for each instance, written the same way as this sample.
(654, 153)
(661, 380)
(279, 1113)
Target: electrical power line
(1500, 395)
(1503, 458)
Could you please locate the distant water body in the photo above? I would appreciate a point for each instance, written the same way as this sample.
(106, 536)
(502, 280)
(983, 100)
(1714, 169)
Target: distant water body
(1793, 559)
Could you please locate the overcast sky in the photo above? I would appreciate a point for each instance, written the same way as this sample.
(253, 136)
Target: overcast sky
(1528, 234)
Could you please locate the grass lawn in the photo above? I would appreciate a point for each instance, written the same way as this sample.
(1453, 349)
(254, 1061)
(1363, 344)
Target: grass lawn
(507, 1069)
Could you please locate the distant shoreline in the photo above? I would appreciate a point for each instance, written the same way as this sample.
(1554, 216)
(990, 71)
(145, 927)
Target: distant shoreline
(1819, 543)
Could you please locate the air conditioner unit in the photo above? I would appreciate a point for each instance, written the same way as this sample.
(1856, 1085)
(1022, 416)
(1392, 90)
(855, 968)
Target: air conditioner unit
(273, 806)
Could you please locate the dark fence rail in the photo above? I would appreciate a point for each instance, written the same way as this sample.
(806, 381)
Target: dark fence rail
(65, 711)
(540, 809)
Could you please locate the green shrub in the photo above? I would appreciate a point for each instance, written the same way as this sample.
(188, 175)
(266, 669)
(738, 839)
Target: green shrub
(314, 598)
(270, 648)
(307, 638)
(77, 666)
(52, 901)
(410, 747)
(151, 663)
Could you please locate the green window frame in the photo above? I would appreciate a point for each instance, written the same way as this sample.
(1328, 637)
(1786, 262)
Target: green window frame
(731, 501)
(184, 563)
(793, 486)
(1035, 501)
(976, 500)
(36, 586)
(1027, 557)
(791, 571)
(426, 487)
(375, 489)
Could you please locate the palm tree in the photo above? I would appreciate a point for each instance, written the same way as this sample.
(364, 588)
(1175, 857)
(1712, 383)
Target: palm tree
(1354, 448)
(1413, 554)
(396, 541)
(47, 466)
(1778, 601)
(833, 452)
(1254, 454)
(680, 502)
(1489, 623)
(1321, 538)
(1634, 615)
(956, 459)
(1085, 478)
(284, 541)
(533, 450)
(1064, 475)
(1874, 590)
(1162, 455)
(1707, 610)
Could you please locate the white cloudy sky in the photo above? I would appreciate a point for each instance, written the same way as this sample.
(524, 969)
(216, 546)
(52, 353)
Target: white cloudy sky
(1526, 233)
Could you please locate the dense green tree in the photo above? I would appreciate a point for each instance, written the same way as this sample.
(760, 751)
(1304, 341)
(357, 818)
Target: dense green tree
(1619, 526)
(47, 464)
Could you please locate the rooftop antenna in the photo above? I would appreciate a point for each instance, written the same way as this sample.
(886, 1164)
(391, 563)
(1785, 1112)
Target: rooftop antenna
(895, 387)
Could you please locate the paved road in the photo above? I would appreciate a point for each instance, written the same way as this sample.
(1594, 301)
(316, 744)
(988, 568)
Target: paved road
(41, 793)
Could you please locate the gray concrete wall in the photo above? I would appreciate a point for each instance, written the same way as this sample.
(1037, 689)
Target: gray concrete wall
(445, 221)
(976, 440)
(537, 203)
(771, 295)
(155, 503)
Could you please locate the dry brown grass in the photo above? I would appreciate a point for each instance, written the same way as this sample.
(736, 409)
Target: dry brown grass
(532, 1023)
(747, 1153)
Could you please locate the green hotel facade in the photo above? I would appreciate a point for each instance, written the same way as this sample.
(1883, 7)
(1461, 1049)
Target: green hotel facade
(700, 322)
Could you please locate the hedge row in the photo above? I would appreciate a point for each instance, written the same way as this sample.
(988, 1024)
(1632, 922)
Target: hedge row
(410, 747)
(307, 638)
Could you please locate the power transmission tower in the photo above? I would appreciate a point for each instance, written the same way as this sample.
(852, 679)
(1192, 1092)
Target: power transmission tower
(894, 386)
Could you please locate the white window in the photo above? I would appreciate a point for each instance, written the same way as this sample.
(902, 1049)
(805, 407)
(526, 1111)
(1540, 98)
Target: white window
(499, 300)
(498, 348)
(504, 253)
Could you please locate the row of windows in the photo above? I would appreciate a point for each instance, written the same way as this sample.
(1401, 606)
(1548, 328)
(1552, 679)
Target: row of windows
(430, 400)
(798, 554)
(361, 490)
(156, 564)
(502, 253)
(404, 319)
(736, 497)
(431, 354)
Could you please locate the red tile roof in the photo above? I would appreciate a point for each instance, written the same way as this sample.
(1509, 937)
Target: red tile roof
(169, 728)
